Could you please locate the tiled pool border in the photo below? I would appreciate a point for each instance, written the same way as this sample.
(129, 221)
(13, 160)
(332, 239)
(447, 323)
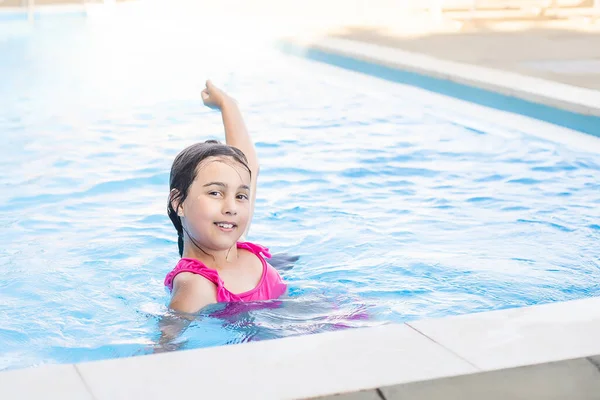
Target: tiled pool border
(535, 350)
(560, 104)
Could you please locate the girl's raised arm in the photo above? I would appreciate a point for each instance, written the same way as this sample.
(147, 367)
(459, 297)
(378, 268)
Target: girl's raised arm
(236, 134)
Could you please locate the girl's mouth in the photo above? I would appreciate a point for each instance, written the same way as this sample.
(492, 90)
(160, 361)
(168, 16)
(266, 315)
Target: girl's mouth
(226, 226)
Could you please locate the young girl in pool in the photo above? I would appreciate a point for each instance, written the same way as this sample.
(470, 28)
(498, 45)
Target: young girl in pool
(211, 202)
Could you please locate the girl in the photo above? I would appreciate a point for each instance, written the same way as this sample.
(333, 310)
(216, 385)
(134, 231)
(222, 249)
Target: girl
(211, 202)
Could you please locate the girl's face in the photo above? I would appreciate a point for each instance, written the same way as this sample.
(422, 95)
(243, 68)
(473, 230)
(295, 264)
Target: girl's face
(217, 207)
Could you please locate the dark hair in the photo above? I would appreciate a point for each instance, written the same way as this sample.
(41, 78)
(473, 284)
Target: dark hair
(183, 173)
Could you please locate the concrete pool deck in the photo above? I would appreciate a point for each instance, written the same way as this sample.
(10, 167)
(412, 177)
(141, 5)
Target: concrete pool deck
(541, 352)
(562, 47)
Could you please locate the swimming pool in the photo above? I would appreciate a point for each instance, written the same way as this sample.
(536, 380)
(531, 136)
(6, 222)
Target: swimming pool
(401, 204)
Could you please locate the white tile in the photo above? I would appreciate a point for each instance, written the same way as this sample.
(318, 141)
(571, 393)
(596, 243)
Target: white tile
(297, 367)
(595, 360)
(576, 67)
(365, 395)
(572, 379)
(515, 337)
(47, 382)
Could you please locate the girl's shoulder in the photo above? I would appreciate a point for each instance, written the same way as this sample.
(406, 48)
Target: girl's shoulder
(193, 266)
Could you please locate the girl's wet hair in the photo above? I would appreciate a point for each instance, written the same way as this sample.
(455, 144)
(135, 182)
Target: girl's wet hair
(183, 174)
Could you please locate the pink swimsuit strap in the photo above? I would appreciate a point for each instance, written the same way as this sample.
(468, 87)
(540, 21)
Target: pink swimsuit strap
(270, 285)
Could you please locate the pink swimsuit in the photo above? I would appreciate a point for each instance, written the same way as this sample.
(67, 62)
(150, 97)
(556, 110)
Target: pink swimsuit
(269, 287)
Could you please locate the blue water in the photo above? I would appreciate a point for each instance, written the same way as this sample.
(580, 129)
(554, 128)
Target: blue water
(401, 204)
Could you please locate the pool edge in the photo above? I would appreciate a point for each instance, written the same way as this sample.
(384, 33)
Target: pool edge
(557, 103)
(458, 352)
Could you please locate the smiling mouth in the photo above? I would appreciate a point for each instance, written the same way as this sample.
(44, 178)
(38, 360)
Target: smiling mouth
(226, 225)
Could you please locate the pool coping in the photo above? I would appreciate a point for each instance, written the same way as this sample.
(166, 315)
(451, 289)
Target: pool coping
(377, 362)
(558, 103)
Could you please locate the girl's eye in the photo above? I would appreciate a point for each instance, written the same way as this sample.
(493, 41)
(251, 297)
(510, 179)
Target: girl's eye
(214, 193)
(242, 197)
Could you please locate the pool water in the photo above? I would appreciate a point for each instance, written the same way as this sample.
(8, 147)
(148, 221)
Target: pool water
(401, 204)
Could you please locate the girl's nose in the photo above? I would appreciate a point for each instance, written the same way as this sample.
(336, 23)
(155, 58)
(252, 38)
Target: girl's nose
(230, 212)
(229, 207)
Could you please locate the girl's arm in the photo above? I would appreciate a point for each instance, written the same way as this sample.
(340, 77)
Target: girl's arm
(236, 134)
(171, 326)
(191, 293)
